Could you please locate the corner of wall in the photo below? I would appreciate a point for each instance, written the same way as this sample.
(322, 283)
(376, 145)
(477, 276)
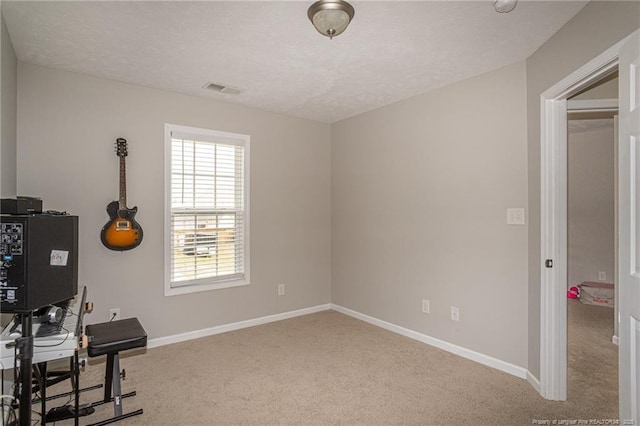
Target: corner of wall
(8, 114)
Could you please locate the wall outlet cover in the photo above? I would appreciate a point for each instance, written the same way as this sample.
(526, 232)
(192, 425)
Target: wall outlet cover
(515, 216)
(455, 313)
(114, 314)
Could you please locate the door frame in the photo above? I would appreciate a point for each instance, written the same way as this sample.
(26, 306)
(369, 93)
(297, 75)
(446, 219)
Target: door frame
(553, 218)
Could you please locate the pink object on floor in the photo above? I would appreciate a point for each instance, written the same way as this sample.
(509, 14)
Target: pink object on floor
(573, 293)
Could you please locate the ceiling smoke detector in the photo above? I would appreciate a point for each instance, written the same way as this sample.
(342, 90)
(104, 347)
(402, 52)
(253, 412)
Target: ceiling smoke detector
(221, 88)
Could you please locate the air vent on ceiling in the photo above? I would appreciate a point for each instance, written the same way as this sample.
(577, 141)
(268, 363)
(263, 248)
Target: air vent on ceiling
(221, 88)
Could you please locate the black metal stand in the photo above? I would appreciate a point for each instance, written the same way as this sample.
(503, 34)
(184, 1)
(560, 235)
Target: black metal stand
(71, 393)
(25, 355)
(75, 364)
(66, 411)
(41, 370)
(43, 382)
(40, 373)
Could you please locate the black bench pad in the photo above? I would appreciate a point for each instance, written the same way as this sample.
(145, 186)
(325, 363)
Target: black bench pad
(115, 336)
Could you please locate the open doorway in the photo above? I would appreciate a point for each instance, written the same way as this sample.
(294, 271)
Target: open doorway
(592, 357)
(553, 219)
(624, 57)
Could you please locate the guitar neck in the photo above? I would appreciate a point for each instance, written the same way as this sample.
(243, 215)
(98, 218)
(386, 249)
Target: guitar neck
(122, 202)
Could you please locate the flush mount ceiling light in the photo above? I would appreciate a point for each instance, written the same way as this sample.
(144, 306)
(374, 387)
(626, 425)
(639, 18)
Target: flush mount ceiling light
(330, 17)
(504, 6)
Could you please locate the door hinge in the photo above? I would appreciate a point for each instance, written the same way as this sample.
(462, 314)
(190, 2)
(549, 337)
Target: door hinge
(548, 263)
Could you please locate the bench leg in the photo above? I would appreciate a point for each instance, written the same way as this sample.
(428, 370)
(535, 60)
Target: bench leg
(108, 378)
(117, 390)
(112, 382)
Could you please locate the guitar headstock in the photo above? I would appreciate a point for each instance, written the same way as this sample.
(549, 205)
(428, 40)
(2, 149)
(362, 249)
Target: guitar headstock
(121, 147)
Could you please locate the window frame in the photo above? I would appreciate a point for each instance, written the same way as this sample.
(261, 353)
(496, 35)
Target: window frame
(204, 135)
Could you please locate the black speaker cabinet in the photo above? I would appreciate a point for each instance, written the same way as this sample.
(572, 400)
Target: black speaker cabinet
(38, 260)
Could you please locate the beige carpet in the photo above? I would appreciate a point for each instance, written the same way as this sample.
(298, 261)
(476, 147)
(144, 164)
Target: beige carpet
(331, 369)
(593, 358)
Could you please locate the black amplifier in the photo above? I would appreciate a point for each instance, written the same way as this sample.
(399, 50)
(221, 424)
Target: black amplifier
(20, 205)
(38, 260)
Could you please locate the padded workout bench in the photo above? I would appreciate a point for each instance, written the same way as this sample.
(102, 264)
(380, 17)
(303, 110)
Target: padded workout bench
(110, 338)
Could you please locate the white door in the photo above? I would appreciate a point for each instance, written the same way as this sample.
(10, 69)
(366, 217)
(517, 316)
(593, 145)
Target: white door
(629, 230)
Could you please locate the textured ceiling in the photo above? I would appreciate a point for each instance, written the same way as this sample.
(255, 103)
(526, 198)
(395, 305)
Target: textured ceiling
(391, 51)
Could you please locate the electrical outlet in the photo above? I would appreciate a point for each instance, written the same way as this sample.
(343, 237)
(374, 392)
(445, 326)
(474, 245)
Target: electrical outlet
(280, 289)
(515, 216)
(426, 306)
(602, 276)
(455, 314)
(114, 314)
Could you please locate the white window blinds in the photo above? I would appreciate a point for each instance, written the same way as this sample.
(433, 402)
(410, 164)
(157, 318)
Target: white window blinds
(208, 208)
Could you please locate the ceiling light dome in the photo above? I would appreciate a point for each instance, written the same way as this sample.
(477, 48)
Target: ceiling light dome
(330, 17)
(505, 6)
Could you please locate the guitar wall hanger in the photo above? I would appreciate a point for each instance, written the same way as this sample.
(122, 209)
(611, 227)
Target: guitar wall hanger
(122, 232)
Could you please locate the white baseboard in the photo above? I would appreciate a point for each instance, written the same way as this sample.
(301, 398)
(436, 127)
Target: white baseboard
(483, 359)
(533, 381)
(441, 344)
(182, 337)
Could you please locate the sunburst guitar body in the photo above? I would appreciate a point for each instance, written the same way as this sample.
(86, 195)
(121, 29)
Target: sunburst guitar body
(122, 232)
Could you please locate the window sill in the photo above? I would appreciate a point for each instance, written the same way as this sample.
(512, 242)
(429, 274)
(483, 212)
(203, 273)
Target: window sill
(197, 288)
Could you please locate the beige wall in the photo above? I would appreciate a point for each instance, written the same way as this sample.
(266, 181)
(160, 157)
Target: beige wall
(67, 125)
(593, 30)
(419, 193)
(8, 95)
(590, 204)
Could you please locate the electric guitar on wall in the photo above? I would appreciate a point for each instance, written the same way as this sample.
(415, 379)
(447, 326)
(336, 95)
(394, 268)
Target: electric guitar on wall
(122, 232)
